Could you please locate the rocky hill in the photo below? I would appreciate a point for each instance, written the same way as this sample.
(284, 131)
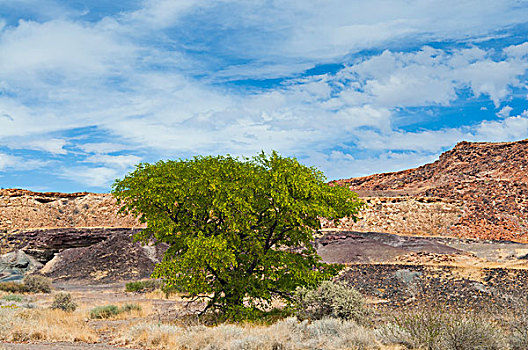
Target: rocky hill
(22, 210)
(70, 236)
(475, 190)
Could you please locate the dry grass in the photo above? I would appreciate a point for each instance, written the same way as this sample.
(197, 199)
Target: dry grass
(289, 334)
(146, 310)
(20, 325)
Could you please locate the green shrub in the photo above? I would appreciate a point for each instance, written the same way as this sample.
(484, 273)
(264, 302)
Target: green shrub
(37, 284)
(107, 311)
(13, 297)
(13, 287)
(330, 299)
(64, 301)
(143, 286)
(129, 308)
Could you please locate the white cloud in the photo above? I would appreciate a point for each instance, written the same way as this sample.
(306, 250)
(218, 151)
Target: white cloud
(517, 51)
(509, 129)
(119, 162)
(504, 112)
(102, 147)
(157, 14)
(95, 177)
(61, 48)
(10, 162)
(54, 146)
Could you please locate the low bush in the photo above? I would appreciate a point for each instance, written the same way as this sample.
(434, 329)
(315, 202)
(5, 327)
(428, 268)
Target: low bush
(107, 311)
(13, 287)
(13, 297)
(37, 284)
(434, 330)
(129, 308)
(330, 299)
(143, 286)
(64, 302)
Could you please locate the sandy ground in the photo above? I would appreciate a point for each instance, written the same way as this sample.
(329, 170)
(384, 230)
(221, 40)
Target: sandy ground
(57, 346)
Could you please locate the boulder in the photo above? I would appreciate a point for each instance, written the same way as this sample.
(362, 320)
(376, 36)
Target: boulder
(15, 265)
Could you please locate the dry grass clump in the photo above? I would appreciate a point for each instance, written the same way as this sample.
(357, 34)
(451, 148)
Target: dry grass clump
(37, 284)
(64, 302)
(19, 325)
(434, 330)
(331, 334)
(30, 284)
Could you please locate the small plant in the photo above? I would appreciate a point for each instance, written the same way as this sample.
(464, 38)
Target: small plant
(129, 308)
(435, 330)
(143, 286)
(107, 311)
(13, 297)
(64, 301)
(37, 284)
(330, 299)
(13, 287)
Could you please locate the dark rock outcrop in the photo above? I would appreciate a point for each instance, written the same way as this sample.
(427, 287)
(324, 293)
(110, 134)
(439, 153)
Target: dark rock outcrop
(43, 244)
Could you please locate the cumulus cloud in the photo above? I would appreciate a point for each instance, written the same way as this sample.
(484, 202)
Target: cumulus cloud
(10, 162)
(504, 112)
(101, 177)
(120, 162)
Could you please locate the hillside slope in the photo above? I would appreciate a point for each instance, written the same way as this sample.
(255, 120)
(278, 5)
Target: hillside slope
(22, 209)
(478, 190)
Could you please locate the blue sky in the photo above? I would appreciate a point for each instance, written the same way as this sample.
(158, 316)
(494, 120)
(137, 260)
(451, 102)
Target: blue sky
(88, 89)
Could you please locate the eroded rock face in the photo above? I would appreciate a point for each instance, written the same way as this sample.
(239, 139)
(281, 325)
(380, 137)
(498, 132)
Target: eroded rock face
(480, 191)
(43, 244)
(405, 216)
(21, 209)
(117, 258)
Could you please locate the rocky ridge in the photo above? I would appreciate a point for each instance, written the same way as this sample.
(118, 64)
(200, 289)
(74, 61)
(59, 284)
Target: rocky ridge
(75, 236)
(22, 210)
(475, 190)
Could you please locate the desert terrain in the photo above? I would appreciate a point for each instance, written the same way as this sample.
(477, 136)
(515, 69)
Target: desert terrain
(451, 234)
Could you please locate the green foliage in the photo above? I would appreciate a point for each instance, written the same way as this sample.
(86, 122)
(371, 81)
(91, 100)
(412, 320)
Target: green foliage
(13, 297)
(64, 301)
(37, 284)
(129, 308)
(330, 299)
(107, 311)
(239, 231)
(143, 286)
(151, 285)
(13, 287)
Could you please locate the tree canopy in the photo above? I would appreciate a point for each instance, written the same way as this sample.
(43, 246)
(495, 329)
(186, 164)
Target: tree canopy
(239, 230)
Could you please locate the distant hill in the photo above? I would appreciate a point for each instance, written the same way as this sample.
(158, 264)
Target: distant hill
(22, 209)
(475, 190)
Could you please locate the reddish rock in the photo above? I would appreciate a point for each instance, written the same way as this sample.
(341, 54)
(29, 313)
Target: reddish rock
(488, 182)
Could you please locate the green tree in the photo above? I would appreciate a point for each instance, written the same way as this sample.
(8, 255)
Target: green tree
(239, 231)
